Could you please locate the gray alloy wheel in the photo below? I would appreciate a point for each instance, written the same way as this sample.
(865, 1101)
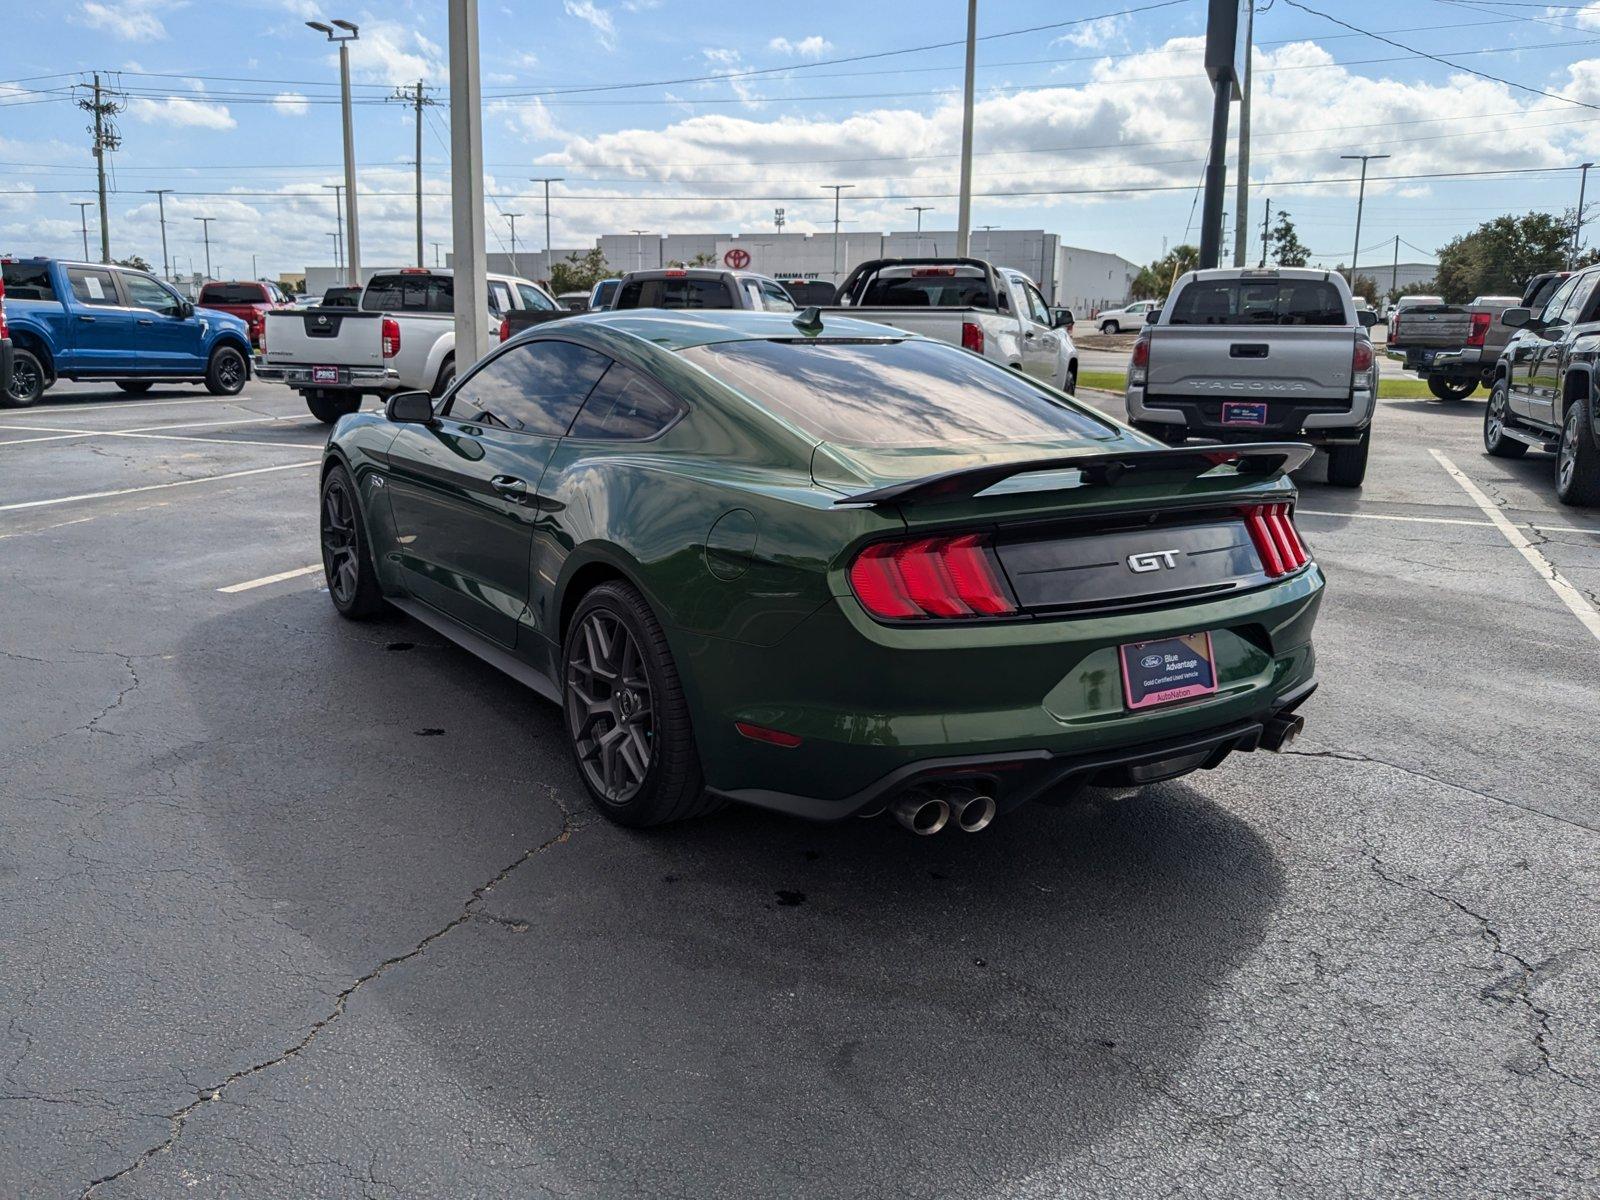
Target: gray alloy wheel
(27, 381)
(346, 562)
(609, 707)
(1496, 415)
(1578, 458)
(227, 373)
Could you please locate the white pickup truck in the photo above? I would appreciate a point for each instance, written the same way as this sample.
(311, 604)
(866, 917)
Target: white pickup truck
(993, 311)
(402, 337)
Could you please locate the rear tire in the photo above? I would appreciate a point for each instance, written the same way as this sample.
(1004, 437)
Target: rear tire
(447, 376)
(328, 407)
(1451, 389)
(1110, 327)
(1069, 384)
(1495, 416)
(1578, 459)
(134, 387)
(346, 554)
(625, 714)
(227, 372)
(1347, 465)
(27, 380)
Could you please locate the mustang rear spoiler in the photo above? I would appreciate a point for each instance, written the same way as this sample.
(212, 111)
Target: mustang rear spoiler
(1258, 458)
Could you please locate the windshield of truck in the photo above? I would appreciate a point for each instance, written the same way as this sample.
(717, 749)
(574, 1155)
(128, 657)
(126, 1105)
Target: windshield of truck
(675, 292)
(410, 293)
(1259, 302)
(933, 290)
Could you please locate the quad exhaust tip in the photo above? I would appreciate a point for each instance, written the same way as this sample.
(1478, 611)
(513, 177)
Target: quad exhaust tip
(973, 814)
(921, 813)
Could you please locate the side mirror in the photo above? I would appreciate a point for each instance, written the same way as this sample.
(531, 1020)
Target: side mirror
(185, 310)
(1516, 318)
(1367, 317)
(1062, 319)
(409, 408)
(1151, 317)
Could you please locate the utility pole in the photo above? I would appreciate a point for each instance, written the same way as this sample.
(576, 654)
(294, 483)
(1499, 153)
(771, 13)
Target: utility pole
(436, 254)
(1394, 271)
(338, 223)
(836, 188)
(638, 248)
(205, 229)
(254, 274)
(1577, 222)
(466, 183)
(337, 238)
(1266, 231)
(161, 205)
(105, 138)
(1221, 60)
(1222, 246)
(512, 217)
(343, 40)
(778, 219)
(416, 97)
(919, 209)
(83, 207)
(964, 213)
(1241, 231)
(1361, 200)
(548, 265)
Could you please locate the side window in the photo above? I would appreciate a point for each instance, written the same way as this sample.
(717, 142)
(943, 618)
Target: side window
(499, 297)
(532, 388)
(752, 294)
(1578, 302)
(1552, 310)
(1038, 311)
(626, 405)
(93, 286)
(774, 298)
(144, 292)
(533, 298)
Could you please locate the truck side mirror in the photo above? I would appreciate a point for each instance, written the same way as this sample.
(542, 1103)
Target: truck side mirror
(1152, 316)
(1516, 318)
(409, 408)
(185, 310)
(1367, 317)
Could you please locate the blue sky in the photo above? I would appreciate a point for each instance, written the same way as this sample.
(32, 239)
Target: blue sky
(233, 103)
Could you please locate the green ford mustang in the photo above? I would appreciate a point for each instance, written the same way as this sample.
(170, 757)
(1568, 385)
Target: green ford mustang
(829, 568)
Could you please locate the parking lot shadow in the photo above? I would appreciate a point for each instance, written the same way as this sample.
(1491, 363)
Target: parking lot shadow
(744, 1005)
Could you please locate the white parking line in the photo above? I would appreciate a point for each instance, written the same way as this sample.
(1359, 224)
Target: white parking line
(186, 437)
(60, 434)
(91, 406)
(248, 584)
(156, 487)
(1570, 596)
(1362, 516)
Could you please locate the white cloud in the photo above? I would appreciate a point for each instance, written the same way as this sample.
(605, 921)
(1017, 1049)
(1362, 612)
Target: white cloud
(133, 20)
(1093, 34)
(599, 19)
(730, 64)
(291, 104)
(389, 52)
(529, 120)
(814, 46)
(180, 110)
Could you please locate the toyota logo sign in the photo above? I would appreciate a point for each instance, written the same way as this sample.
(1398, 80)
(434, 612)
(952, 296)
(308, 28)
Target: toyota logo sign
(737, 259)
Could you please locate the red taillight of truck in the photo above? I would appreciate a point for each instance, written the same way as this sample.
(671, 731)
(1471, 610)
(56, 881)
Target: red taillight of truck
(972, 336)
(391, 337)
(1479, 332)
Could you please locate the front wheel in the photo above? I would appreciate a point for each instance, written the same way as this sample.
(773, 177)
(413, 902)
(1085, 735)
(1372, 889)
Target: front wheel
(1347, 465)
(1451, 389)
(1110, 327)
(134, 387)
(328, 407)
(227, 373)
(346, 554)
(1496, 414)
(1578, 460)
(27, 382)
(626, 717)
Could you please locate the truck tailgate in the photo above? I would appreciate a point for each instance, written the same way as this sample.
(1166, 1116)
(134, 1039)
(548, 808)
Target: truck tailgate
(1434, 326)
(943, 324)
(324, 336)
(1272, 362)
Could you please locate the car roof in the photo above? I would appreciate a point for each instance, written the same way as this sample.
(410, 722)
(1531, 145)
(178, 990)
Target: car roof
(680, 329)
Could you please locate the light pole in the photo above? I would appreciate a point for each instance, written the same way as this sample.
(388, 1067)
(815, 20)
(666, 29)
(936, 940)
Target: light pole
(964, 204)
(836, 188)
(436, 254)
(1361, 200)
(638, 248)
(205, 231)
(337, 238)
(1577, 221)
(161, 204)
(350, 34)
(512, 218)
(547, 182)
(919, 209)
(83, 207)
(338, 223)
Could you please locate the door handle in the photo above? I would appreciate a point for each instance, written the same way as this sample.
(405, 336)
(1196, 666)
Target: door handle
(88, 320)
(146, 321)
(510, 487)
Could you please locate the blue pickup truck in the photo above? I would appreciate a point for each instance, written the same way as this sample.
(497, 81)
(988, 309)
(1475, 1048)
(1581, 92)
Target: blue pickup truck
(89, 321)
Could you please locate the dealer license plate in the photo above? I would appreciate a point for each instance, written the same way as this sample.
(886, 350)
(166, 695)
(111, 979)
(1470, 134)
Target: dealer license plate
(1234, 413)
(324, 374)
(1167, 670)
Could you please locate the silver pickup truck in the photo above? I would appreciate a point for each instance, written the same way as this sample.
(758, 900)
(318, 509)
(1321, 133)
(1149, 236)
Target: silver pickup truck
(1246, 355)
(1455, 346)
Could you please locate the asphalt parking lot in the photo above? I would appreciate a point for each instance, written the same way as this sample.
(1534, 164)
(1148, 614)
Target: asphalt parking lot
(294, 907)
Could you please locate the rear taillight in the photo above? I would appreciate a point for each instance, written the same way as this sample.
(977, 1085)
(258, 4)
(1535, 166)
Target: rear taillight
(934, 577)
(505, 328)
(1278, 543)
(972, 336)
(391, 337)
(3, 331)
(1480, 329)
(1361, 357)
(1141, 353)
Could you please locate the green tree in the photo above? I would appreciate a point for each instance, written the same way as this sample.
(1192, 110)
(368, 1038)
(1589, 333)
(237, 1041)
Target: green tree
(1155, 281)
(703, 259)
(1287, 249)
(579, 273)
(1500, 256)
(134, 261)
(1364, 285)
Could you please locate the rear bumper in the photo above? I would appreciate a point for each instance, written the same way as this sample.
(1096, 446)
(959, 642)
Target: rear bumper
(368, 379)
(1318, 423)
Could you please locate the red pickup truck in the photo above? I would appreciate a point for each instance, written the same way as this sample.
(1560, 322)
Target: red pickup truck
(248, 299)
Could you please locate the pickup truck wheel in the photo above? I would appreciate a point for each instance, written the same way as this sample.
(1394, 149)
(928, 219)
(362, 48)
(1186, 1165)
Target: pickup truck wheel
(1578, 460)
(1495, 415)
(1347, 465)
(328, 407)
(227, 373)
(134, 387)
(1451, 389)
(1110, 327)
(346, 556)
(27, 380)
(1069, 383)
(447, 376)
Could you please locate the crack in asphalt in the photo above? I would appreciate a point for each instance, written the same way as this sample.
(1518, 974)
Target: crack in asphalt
(1353, 756)
(1526, 974)
(179, 1120)
(93, 724)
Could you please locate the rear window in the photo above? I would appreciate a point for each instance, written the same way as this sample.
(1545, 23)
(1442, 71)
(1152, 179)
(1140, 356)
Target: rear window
(1259, 302)
(410, 293)
(345, 297)
(233, 293)
(933, 291)
(603, 291)
(892, 393)
(675, 293)
(28, 281)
